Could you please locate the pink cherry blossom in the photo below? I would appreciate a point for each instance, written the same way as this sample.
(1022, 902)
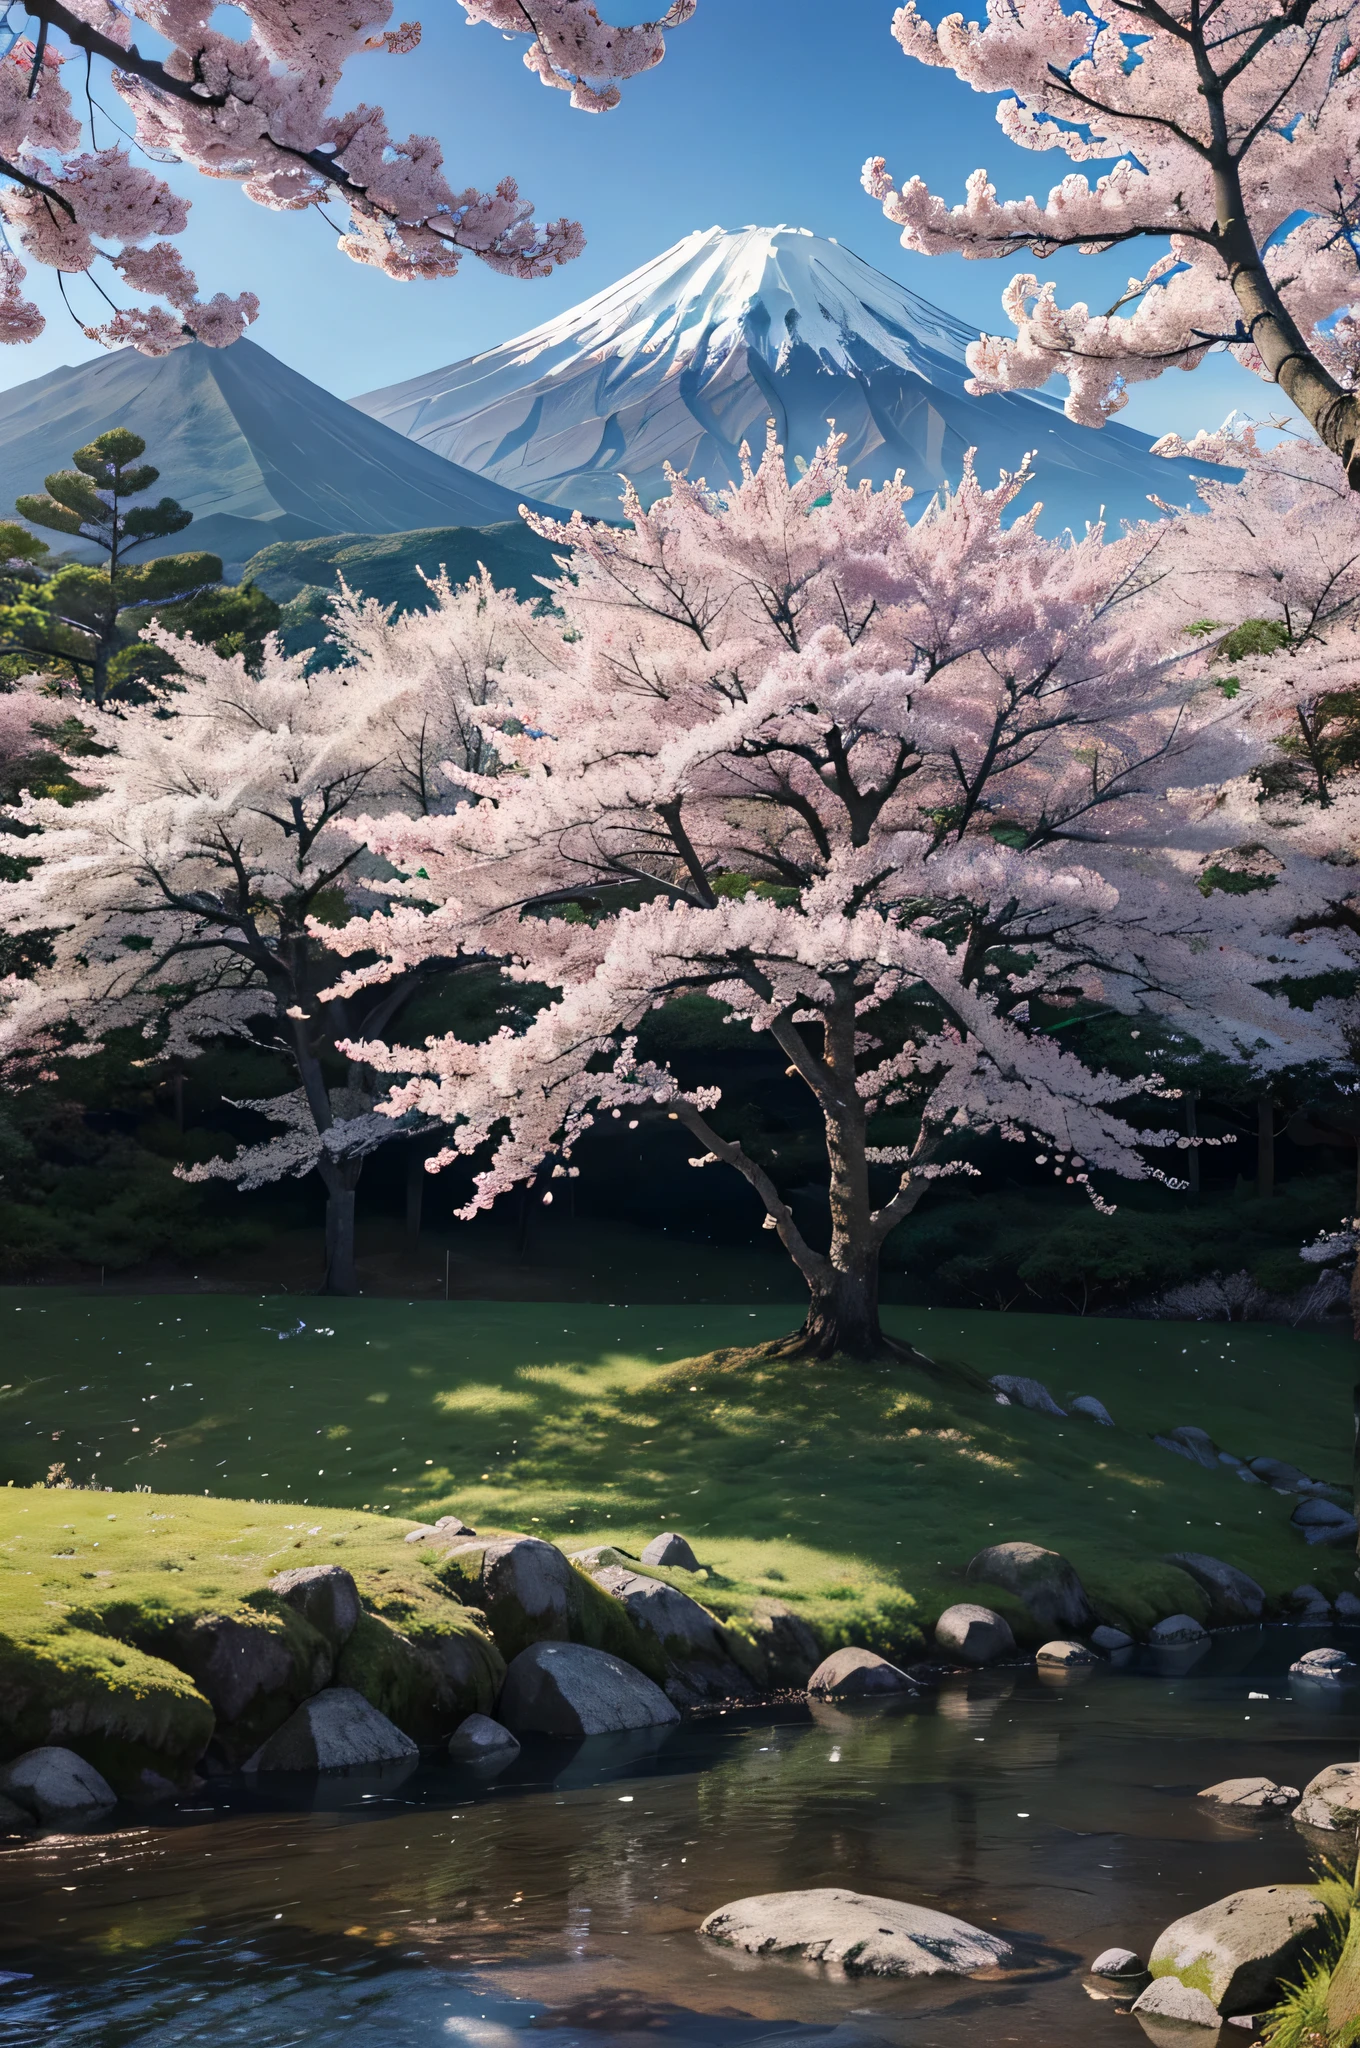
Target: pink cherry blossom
(258, 110)
(1232, 131)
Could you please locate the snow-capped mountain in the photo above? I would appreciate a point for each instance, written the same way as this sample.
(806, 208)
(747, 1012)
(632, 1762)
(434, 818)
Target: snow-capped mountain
(255, 450)
(689, 356)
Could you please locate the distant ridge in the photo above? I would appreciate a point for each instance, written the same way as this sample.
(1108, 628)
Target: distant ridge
(690, 355)
(255, 450)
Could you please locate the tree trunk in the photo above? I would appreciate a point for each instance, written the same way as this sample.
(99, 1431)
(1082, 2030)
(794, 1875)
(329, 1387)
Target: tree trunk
(1265, 1148)
(341, 1182)
(416, 1178)
(843, 1314)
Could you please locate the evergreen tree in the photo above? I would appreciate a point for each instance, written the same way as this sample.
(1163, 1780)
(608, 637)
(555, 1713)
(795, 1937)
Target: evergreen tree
(91, 501)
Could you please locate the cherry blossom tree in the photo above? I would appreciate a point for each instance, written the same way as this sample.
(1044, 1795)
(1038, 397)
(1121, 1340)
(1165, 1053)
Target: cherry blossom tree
(258, 109)
(893, 795)
(180, 897)
(1233, 129)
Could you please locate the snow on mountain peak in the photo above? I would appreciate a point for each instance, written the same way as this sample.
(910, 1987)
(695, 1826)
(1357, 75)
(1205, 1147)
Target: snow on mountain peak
(688, 357)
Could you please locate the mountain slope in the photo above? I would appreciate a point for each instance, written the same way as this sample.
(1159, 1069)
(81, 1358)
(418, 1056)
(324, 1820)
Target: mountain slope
(688, 357)
(256, 451)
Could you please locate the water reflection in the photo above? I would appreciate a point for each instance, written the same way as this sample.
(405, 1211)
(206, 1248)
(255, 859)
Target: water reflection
(557, 1904)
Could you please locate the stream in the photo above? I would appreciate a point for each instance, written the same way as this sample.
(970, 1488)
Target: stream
(555, 1906)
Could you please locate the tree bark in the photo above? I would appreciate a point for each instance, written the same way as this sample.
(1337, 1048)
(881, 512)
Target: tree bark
(843, 1313)
(1265, 1148)
(341, 1182)
(416, 1178)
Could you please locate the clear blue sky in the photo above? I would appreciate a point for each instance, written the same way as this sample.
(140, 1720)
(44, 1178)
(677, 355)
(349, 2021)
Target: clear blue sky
(763, 111)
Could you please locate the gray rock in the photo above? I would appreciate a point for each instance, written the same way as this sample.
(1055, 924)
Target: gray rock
(1117, 1962)
(1188, 1442)
(1093, 1410)
(672, 1551)
(1310, 1604)
(15, 1819)
(1233, 1597)
(479, 1739)
(1275, 1472)
(1236, 1951)
(1247, 1476)
(1066, 1653)
(1257, 1795)
(604, 1553)
(1325, 1667)
(424, 1532)
(975, 1634)
(1041, 1578)
(566, 1690)
(866, 1937)
(526, 1588)
(1331, 1800)
(243, 1667)
(853, 1674)
(336, 1731)
(1237, 1464)
(787, 1645)
(1166, 1998)
(1176, 1630)
(326, 1596)
(453, 1525)
(1322, 1521)
(51, 1782)
(1347, 1607)
(1025, 1393)
(1110, 1639)
(699, 1660)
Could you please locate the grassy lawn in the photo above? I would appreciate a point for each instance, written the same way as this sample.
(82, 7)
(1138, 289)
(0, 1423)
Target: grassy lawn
(857, 1493)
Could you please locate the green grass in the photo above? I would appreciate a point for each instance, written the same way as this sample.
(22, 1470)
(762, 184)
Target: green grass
(858, 1494)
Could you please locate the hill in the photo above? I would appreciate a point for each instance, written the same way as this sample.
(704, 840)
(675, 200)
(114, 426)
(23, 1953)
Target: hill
(686, 358)
(388, 565)
(256, 451)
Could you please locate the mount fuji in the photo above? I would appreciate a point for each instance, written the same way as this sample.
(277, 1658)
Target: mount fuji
(689, 356)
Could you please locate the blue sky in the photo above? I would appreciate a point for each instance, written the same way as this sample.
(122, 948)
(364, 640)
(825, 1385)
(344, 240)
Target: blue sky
(763, 111)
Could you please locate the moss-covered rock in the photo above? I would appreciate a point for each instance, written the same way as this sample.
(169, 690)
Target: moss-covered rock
(530, 1593)
(142, 1723)
(426, 1685)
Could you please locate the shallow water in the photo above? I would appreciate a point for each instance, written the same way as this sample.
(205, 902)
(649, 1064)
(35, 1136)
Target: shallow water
(556, 1906)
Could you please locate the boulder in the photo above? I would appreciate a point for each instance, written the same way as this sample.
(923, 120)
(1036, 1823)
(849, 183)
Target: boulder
(1066, 1653)
(1348, 1607)
(1310, 1606)
(1023, 1393)
(454, 1525)
(1176, 1631)
(1110, 1640)
(975, 1634)
(786, 1644)
(424, 1532)
(1188, 1442)
(672, 1551)
(1256, 1795)
(867, 1937)
(1322, 1521)
(567, 1690)
(1166, 1998)
(1326, 1667)
(53, 1783)
(1094, 1411)
(1236, 1951)
(531, 1593)
(694, 1644)
(1118, 1962)
(1041, 1578)
(1275, 1472)
(856, 1675)
(125, 1711)
(426, 1672)
(325, 1595)
(604, 1553)
(253, 1669)
(1331, 1800)
(336, 1731)
(480, 1740)
(1233, 1597)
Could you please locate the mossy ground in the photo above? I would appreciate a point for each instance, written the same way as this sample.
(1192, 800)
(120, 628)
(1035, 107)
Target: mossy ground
(857, 1494)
